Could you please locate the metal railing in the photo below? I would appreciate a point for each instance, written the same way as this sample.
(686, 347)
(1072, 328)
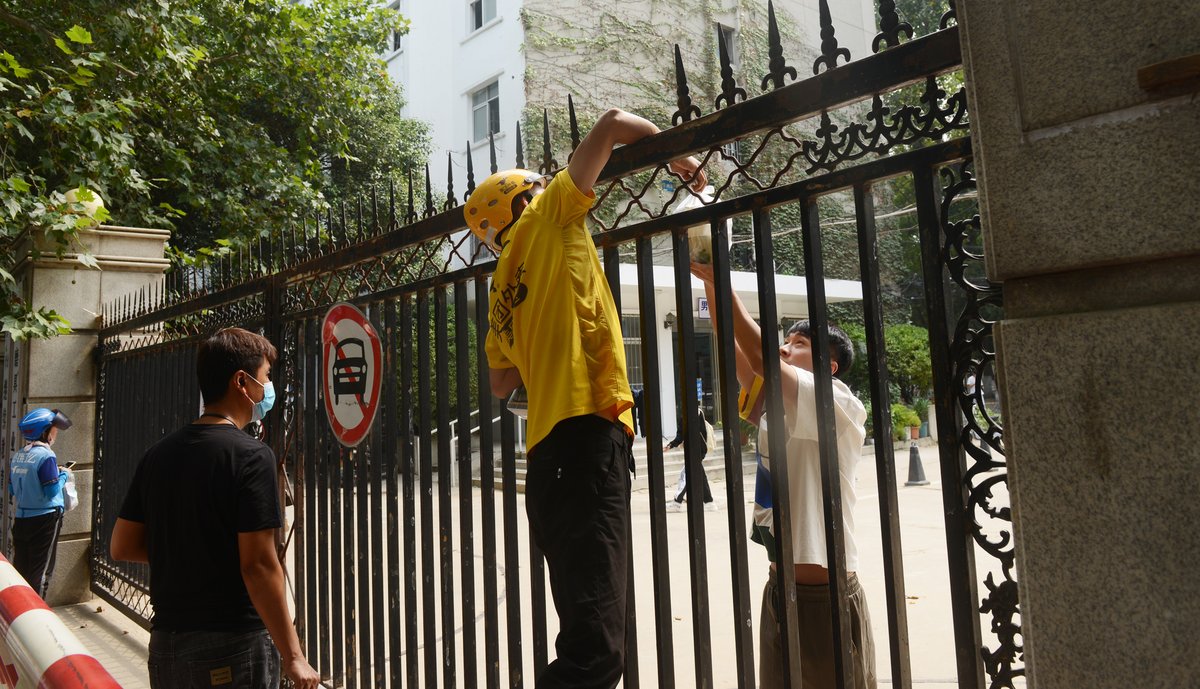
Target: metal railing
(399, 584)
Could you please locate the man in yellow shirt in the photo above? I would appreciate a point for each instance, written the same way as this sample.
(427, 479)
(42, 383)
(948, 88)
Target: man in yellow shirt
(554, 328)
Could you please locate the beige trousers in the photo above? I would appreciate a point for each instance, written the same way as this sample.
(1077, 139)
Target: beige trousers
(815, 623)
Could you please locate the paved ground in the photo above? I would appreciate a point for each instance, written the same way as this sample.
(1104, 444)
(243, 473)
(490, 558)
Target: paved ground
(120, 644)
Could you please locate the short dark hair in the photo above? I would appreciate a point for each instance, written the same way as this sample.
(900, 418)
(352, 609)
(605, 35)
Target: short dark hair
(840, 345)
(224, 354)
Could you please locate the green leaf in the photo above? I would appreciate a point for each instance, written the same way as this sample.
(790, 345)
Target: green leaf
(62, 45)
(18, 184)
(17, 70)
(78, 34)
(87, 259)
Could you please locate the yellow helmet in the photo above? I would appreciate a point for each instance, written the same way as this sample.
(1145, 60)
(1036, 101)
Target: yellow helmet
(488, 209)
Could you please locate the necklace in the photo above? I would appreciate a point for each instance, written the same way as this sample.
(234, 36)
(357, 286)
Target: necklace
(219, 416)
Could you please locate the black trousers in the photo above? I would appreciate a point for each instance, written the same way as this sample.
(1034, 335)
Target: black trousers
(34, 548)
(577, 498)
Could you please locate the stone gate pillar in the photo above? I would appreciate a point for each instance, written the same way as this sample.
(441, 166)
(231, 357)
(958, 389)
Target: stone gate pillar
(1085, 122)
(60, 372)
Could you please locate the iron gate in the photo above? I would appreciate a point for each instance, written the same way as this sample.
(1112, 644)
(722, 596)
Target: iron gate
(399, 584)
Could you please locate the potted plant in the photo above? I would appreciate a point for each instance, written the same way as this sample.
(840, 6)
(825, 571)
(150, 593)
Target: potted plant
(904, 419)
(921, 407)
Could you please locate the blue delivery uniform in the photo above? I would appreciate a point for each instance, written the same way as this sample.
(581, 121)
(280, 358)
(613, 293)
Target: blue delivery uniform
(36, 484)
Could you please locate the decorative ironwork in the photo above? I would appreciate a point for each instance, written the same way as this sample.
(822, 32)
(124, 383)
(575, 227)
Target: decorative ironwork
(830, 52)
(730, 92)
(621, 201)
(981, 437)
(549, 164)
(778, 69)
(492, 153)
(890, 27)
(451, 202)
(470, 172)
(520, 149)
(410, 215)
(683, 97)
(574, 123)
(429, 207)
(951, 15)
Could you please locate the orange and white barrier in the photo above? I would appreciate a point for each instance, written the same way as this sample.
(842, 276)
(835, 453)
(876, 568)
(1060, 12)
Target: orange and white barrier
(39, 652)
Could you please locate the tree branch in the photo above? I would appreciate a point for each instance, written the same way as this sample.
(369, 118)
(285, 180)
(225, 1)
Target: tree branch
(25, 25)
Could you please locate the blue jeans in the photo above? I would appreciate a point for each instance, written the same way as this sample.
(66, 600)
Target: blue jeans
(200, 660)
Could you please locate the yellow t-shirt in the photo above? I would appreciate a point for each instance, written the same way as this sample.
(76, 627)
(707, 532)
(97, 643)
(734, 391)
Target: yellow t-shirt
(552, 315)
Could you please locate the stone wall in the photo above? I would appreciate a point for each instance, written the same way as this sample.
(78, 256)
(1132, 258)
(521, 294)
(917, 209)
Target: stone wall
(1090, 191)
(60, 372)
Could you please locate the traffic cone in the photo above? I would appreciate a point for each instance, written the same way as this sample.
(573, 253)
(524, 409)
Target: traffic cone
(916, 472)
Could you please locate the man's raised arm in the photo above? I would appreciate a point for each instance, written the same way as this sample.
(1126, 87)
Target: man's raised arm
(619, 127)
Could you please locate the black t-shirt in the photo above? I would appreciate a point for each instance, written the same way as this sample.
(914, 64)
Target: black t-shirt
(195, 490)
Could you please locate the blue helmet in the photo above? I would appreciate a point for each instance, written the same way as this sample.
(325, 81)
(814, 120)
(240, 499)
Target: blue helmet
(35, 423)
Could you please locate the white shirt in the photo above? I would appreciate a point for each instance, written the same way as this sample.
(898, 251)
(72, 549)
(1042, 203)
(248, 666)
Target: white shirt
(804, 471)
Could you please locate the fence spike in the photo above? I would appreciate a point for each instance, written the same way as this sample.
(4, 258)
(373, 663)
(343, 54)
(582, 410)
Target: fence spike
(330, 227)
(830, 52)
(520, 149)
(451, 202)
(345, 223)
(492, 152)
(730, 92)
(574, 124)
(890, 27)
(683, 97)
(778, 68)
(358, 218)
(429, 209)
(293, 257)
(391, 205)
(411, 216)
(549, 164)
(374, 211)
(470, 171)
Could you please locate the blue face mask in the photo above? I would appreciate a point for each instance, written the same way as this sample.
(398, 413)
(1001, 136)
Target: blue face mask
(264, 405)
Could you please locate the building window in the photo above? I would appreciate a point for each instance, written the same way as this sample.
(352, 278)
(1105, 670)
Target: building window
(485, 111)
(482, 12)
(395, 40)
(730, 35)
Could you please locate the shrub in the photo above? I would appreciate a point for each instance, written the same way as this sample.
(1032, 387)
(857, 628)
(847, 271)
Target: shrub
(902, 418)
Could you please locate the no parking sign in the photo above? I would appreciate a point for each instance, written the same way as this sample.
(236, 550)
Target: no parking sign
(351, 361)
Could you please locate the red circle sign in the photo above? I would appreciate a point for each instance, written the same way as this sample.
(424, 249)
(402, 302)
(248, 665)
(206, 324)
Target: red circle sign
(352, 362)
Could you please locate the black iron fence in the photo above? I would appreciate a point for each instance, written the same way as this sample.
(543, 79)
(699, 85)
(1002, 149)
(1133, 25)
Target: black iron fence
(407, 556)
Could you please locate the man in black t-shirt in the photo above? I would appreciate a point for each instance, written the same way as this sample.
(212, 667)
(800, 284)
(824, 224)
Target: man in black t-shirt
(202, 511)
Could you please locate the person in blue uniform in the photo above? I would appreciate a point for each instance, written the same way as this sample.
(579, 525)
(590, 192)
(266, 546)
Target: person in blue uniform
(36, 484)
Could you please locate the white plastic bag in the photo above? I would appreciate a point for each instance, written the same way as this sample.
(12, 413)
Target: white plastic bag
(70, 494)
(700, 236)
(518, 402)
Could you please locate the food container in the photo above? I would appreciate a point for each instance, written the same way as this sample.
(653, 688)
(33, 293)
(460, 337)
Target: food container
(700, 236)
